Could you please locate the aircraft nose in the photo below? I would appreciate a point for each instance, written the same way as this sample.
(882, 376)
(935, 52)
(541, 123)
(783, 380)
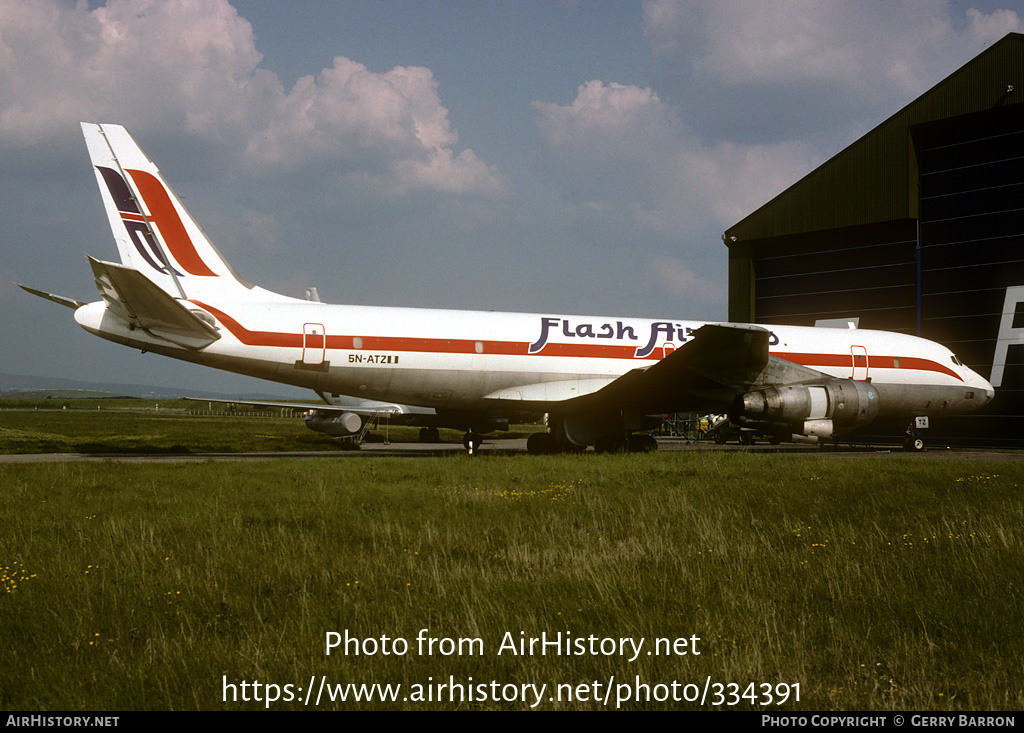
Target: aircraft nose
(990, 393)
(986, 389)
(981, 390)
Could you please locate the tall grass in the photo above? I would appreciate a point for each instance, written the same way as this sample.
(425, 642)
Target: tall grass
(885, 582)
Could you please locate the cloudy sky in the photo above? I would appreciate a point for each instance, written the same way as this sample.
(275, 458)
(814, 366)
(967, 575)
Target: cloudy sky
(546, 156)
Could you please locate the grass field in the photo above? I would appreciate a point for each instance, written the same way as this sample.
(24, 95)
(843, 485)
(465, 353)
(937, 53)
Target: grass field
(133, 426)
(882, 582)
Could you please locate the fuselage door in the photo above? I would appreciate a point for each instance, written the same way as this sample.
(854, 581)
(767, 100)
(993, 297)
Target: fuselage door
(860, 362)
(313, 343)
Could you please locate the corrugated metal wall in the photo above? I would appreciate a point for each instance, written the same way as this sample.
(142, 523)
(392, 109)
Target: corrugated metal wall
(867, 270)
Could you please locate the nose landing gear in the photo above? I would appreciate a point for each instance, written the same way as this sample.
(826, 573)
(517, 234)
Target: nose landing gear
(914, 442)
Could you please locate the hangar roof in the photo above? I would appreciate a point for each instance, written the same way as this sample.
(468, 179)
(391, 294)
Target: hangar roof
(875, 178)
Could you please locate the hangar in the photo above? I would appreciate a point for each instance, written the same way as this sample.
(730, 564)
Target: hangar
(916, 227)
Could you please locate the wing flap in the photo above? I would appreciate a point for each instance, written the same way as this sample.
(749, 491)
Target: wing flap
(144, 304)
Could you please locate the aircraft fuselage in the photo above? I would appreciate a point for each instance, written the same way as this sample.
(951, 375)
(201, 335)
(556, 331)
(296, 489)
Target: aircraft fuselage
(477, 359)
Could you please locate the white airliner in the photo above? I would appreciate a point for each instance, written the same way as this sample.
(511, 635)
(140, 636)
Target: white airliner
(598, 378)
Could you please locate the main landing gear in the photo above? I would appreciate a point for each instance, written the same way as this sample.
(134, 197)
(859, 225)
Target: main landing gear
(472, 441)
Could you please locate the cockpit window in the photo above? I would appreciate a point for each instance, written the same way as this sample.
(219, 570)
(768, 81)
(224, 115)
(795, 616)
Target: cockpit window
(955, 360)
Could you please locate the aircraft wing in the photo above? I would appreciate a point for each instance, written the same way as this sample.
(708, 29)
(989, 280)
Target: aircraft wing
(719, 362)
(384, 408)
(707, 372)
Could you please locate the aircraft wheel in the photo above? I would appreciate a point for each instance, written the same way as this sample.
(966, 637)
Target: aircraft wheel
(914, 445)
(429, 435)
(472, 441)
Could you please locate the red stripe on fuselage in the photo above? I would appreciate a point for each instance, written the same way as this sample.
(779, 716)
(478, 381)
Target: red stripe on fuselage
(514, 348)
(253, 338)
(425, 345)
(843, 361)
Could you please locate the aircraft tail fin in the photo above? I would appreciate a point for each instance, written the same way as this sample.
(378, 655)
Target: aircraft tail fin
(154, 232)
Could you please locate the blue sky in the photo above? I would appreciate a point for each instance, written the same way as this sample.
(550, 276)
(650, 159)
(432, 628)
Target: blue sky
(559, 157)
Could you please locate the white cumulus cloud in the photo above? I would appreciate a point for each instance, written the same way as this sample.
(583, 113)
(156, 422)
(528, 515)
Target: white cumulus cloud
(624, 146)
(193, 65)
(872, 51)
(751, 97)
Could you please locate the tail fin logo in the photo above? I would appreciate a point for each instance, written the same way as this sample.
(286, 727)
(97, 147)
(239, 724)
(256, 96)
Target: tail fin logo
(162, 215)
(138, 230)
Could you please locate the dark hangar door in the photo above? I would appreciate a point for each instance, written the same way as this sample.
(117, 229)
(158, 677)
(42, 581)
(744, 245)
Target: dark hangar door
(971, 189)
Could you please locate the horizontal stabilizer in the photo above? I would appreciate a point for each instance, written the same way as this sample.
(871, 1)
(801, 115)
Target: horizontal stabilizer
(144, 304)
(60, 299)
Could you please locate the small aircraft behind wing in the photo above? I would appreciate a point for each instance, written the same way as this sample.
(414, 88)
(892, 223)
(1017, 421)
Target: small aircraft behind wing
(599, 379)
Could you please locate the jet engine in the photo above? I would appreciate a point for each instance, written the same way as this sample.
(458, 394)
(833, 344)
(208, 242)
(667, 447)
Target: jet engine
(808, 412)
(338, 426)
